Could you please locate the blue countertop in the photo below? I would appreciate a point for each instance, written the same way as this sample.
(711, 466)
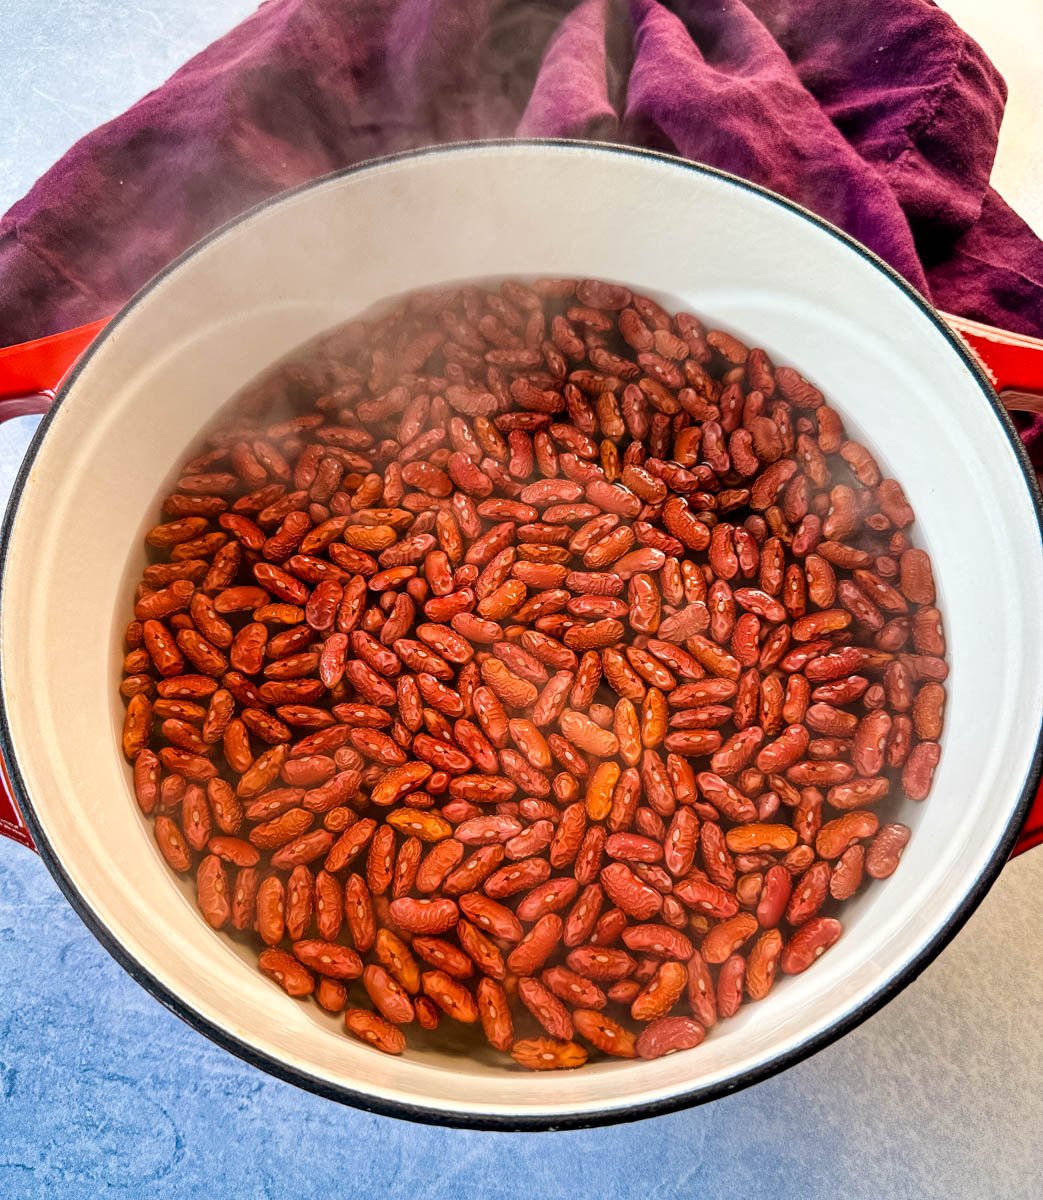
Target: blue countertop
(103, 1093)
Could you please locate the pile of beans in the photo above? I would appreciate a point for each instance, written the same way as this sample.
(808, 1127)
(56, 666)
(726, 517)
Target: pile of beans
(532, 658)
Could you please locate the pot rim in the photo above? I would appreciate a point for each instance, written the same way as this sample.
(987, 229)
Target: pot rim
(528, 1122)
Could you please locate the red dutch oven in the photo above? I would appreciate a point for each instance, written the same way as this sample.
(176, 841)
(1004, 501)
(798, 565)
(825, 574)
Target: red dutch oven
(128, 397)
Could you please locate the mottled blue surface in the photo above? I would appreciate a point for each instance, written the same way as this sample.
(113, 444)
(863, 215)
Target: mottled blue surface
(103, 1093)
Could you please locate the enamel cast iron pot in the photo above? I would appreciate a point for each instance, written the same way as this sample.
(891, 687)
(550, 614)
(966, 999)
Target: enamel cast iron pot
(693, 238)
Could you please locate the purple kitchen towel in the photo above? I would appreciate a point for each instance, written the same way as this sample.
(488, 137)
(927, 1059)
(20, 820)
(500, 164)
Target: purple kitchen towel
(882, 117)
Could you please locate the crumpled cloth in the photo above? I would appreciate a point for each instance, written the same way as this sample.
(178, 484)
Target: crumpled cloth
(881, 117)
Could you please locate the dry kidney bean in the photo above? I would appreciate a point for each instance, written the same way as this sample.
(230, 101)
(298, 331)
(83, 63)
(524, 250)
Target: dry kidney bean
(563, 686)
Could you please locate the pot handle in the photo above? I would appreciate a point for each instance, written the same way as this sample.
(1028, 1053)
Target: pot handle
(1012, 361)
(31, 372)
(29, 376)
(1014, 364)
(12, 823)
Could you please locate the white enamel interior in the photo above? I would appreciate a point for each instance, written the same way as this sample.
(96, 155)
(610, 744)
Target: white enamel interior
(306, 263)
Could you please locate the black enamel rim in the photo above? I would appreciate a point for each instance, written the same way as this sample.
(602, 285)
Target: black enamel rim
(523, 1121)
